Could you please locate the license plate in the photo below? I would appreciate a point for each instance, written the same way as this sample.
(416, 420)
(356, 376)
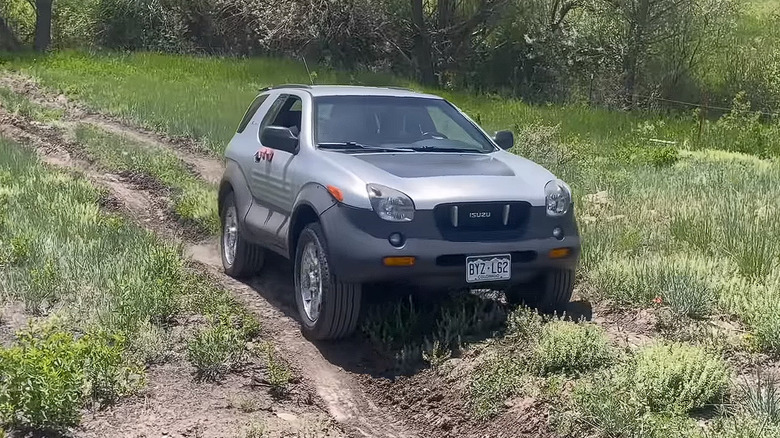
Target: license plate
(488, 268)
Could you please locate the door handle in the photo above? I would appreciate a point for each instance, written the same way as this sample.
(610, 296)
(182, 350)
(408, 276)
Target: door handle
(264, 154)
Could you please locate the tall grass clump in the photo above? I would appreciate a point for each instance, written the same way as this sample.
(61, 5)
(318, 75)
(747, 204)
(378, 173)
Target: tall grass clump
(194, 200)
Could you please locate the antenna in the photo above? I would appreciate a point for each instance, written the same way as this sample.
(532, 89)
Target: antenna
(305, 64)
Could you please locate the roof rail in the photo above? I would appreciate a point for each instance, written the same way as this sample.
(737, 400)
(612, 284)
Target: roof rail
(399, 88)
(275, 87)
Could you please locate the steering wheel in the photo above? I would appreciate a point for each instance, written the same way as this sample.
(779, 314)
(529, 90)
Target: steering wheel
(433, 135)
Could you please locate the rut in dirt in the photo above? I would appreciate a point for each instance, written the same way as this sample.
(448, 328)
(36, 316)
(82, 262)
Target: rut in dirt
(342, 394)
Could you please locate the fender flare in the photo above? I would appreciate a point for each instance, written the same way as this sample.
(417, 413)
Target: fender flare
(233, 180)
(312, 201)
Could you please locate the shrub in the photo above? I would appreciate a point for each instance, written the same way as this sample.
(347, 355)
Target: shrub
(609, 408)
(150, 344)
(42, 384)
(49, 374)
(495, 381)
(567, 347)
(664, 156)
(676, 378)
(216, 350)
(524, 323)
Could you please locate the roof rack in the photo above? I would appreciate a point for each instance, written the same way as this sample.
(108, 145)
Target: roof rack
(275, 87)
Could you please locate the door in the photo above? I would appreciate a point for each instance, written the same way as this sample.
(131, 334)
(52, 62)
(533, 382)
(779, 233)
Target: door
(271, 183)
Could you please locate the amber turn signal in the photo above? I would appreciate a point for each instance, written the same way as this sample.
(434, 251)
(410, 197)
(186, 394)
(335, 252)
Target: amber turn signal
(399, 261)
(336, 193)
(560, 253)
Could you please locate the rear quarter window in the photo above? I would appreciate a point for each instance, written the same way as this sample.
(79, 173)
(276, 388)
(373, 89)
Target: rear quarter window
(250, 113)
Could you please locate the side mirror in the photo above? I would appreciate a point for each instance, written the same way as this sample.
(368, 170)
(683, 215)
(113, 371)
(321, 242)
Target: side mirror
(505, 139)
(280, 138)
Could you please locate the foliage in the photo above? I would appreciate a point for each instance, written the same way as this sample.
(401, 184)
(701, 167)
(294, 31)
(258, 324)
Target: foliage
(564, 347)
(651, 394)
(216, 350)
(49, 374)
(762, 399)
(278, 373)
(676, 378)
(494, 381)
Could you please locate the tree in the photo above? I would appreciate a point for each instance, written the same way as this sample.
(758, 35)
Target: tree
(43, 11)
(444, 30)
(8, 40)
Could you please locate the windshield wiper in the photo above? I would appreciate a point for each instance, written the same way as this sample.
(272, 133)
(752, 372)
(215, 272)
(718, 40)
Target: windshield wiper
(441, 149)
(352, 145)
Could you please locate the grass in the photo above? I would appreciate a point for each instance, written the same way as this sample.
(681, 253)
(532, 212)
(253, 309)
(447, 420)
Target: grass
(15, 104)
(205, 97)
(686, 227)
(195, 201)
(96, 288)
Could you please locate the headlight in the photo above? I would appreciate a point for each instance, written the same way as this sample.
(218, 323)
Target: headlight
(558, 198)
(390, 204)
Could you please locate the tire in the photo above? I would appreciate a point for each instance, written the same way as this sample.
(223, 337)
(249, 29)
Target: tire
(247, 259)
(338, 311)
(550, 293)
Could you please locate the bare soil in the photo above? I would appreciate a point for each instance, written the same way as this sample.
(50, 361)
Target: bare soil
(344, 387)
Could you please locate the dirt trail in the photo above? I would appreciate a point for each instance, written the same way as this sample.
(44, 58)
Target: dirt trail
(340, 391)
(208, 168)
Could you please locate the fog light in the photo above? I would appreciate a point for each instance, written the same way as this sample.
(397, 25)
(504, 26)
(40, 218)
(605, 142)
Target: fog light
(397, 240)
(399, 261)
(560, 253)
(558, 233)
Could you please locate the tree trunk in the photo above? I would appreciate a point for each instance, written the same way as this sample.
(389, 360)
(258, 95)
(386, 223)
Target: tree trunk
(8, 40)
(637, 46)
(43, 25)
(422, 45)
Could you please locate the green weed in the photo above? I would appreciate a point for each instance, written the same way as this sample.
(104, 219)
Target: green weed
(277, 371)
(49, 375)
(216, 350)
(565, 347)
(495, 381)
(676, 378)
(16, 104)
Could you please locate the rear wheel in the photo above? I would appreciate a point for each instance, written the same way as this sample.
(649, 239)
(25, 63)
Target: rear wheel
(550, 293)
(329, 309)
(240, 258)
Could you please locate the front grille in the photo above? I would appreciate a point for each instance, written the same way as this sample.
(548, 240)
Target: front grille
(480, 217)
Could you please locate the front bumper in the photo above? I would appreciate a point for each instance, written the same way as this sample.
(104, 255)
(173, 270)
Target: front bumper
(358, 243)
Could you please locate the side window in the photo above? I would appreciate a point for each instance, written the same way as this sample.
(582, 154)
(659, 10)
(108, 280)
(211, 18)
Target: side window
(287, 112)
(445, 125)
(256, 104)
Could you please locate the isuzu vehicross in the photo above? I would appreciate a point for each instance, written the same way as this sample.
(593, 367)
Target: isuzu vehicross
(361, 185)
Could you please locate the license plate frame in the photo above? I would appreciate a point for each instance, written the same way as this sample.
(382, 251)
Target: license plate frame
(488, 268)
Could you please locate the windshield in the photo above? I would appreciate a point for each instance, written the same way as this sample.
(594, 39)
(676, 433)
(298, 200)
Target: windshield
(413, 123)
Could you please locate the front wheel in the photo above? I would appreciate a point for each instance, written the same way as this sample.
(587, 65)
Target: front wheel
(550, 293)
(329, 309)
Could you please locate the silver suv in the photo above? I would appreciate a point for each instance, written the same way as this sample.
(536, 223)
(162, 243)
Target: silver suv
(363, 186)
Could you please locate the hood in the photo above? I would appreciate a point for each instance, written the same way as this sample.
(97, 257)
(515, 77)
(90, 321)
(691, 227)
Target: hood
(432, 178)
